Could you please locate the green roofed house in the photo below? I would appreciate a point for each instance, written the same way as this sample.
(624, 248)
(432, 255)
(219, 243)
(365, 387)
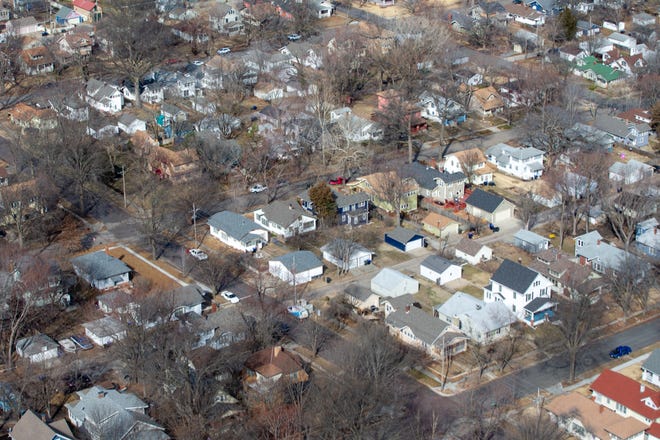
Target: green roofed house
(602, 75)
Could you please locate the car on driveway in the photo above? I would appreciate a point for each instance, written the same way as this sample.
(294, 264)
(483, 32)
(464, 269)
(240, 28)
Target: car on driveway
(621, 350)
(82, 342)
(67, 345)
(229, 296)
(198, 254)
(198, 62)
(337, 181)
(294, 37)
(223, 51)
(257, 188)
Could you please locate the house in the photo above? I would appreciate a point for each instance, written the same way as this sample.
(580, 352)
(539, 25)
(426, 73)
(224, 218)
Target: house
(631, 172)
(643, 19)
(104, 97)
(379, 185)
(524, 15)
(585, 419)
(530, 241)
(68, 17)
(185, 299)
(352, 208)
(100, 126)
(129, 123)
(226, 19)
(22, 199)
(435, 184)
(103, 414)
(441, 109)
(472, 251)
(547, 7)
(303, 53)
(651, 368)
(624, 132)
(439, 270)
(567, 276)
(267, 367)
(296, 267)
(461, 22)
(116, 301)
(482, 322)
(36, 60)
(486, 101)
(440, 225)
(488, 206)
(355, 128)
(176, 166)
(518, 286)
(586, 29)
(74, 46)
(152, 94)
(105, 331)
(417, 328)
(221, 328)
(626, 397)
(285, 218)
(4, 14)
(31, 427)
(623, 41)
(571, 53)
(600, 74)
(405, 240)
(321, 8)
(525, 163)
(22, 26)
(601, 256)
(647, 238)
(238, 232)
(636, 115)
(89, 10)
(101, 270)
(31, 117)
(72, 108)
(471, 161)
(582, 136)
(346, 254)
(392, 283)
(362, 298)
(37, 348)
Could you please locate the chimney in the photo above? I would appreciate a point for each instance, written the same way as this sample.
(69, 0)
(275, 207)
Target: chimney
(408, 308)
(276, 350)
(290, 206)
(101, 394)
(598, 243)
(642, 387)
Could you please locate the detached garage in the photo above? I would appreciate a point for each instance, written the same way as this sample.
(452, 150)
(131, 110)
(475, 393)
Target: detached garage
(392, 283)
(488, 206)
(439, 270)
(404, 239)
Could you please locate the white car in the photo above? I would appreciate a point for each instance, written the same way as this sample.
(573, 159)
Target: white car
(198, 253)
(68, 345)
(257, 188)
(229, 296)
(294, 37)
(198, 62)
(224, 51)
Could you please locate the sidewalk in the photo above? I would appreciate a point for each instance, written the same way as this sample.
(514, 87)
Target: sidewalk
(617, 368)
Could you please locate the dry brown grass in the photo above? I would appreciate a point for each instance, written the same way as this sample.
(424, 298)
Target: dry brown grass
(156, 279)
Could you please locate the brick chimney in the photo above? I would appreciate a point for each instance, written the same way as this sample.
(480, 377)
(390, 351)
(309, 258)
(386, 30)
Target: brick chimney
(408, 308)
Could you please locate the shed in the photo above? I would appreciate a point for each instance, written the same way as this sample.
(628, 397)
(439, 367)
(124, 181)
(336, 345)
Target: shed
(472, 251)
(105, 331)
(392, 283)
(37, 348)
(296, 267)
(530, 241)
(439, 270)
(361, 297)
(346, 254)
(440, 225)
(404, 239)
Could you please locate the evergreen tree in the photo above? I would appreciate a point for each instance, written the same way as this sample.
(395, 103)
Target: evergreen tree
(568, 22)
(324, 201)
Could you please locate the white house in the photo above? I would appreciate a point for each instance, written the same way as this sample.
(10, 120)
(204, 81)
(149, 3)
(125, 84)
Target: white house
(104, 97)
(439, 270)
(238, 232)
(392, 283)
(482, 322)
(346, 254)
(353, 127)
(296, 267)
(130, 124)
(440, 109)
(473, 161)
(362, 298)
(530, 241)
(105, 331)
(631, 172)
(186, 299)
(101, 270)
(285, 218)
(651, 368)
(472, 251)
(523, 163)
(516, 286)
(37, 348)
(623, 41)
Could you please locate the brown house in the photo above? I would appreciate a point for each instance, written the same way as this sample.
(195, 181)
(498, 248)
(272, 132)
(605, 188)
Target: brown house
(487, 101)
(271, 365)
(177, 166)
(29, 117)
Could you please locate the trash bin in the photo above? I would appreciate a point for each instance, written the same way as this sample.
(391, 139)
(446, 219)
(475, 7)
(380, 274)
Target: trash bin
(328, 279)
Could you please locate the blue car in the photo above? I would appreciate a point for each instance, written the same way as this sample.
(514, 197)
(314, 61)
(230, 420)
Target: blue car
(621, 350)
(82, 341)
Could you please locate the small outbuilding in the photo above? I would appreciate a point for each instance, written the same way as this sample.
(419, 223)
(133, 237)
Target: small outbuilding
(346, 254)
(37, 348)
(439, 270)
(404, 239)
(105, 331)
(440, 225)
(392, 283)
(361, 297)
(296, 267)
(530, 241)
(488, 206)
(472, 251)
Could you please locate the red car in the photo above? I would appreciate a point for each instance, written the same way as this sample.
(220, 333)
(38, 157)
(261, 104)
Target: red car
(337, 181)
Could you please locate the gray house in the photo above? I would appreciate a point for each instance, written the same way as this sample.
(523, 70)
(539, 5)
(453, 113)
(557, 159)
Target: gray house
(237, 231)
(37, 348)
(285, 218)
(624, 132)
(530, 241)
(651, 368)
(101, 270)
(435, 184)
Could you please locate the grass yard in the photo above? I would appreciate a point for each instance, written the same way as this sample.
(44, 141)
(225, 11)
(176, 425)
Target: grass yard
(475, 275)
(474, 291)
(423, 378)
(430, 296)
(157, 279)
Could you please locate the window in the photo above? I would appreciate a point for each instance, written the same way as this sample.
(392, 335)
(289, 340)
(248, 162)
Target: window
(620, 408)
(537, 283)
(528, 297)
(514, 296)
(580, 243)
(499, 288)
(513, 308)
(543, 291)
(488, 295)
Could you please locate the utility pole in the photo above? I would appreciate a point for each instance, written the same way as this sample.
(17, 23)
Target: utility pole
(123, 184)
(194, 216)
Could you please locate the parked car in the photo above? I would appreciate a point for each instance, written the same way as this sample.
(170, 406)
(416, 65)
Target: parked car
(82, 341)
(198, 62)
(67, 345)
(198, 254)
(337, 181)
(294, 37)
(257, 188)
(621, 350)
(229, 296)
(224, 51)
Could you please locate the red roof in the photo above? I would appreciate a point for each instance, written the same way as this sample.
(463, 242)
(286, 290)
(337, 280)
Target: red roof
(654, 430)
(84, 4)
(628, 392)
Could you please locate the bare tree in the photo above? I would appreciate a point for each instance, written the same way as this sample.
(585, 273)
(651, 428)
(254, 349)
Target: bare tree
(630, 282)
(625, 211)
(25, 203)
(507, 347)
(481, 356)
(528, 209)
(469, 162)
(536, 426)
(221, 270)
(394, 191)
(343, 249)
(156, 217)
(315, 336)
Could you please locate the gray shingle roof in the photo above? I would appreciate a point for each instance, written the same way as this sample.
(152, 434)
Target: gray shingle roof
(299, 261)
(485, 201)
(436, 263)
(32, 345)
(652, 363)
(530, 237)
(539, 304)
(235, 225)
(470, 247)
(424, 326)
(284, 213)
(343, 200)
(107, 326)
(99, 265)
(427, 177)
(403, 235)
(618, 127)
(358, 292)
(187, 296)
(459, 303)
(514, 276)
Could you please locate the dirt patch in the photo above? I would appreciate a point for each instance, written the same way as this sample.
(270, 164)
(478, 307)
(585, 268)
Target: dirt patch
(506, 250)
(385, 12)
(156, 279)
(430, 295)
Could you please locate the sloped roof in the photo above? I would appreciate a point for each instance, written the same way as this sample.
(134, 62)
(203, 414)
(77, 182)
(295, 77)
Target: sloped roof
(530, 237)
(272, 361)
(652, 363)
(438, 220)
(403, 235)
(104, 327)
(359, 292)
(485, 201)
(488, 98)
(187, 296)
(628, 393)
(470, 247)
(87, 5)
(436, 263)
(284, 213)
(514, 276)
(391, 279)
(31, 427)
(427, 176)
(35, 344)
(235, 225)
(459, 303)
(424, 326)
(99, 265)
(299, 261)
(539, 304)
